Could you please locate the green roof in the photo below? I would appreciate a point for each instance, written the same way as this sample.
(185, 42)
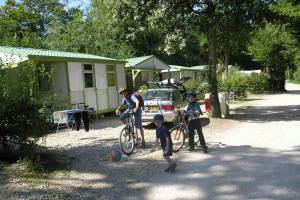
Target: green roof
(146, 63)
(43, 54)
(131, 62)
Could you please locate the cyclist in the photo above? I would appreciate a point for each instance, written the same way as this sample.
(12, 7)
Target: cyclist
(193, 112)
(131, 103)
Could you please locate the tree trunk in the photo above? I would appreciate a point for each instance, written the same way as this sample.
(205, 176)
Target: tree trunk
(277, 78)
(215, 104)
(226, 63)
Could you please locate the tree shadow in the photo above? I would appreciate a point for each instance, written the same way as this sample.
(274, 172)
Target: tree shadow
(227, 172)
(264, 114)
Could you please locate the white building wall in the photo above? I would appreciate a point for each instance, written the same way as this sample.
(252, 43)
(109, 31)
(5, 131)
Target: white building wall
(76, 82)
(60, 82)
(121, 79)
(101, 86)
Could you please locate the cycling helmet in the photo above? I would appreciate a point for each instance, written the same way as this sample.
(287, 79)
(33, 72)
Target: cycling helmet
(158, 118)
(192, 94)
(123, 90)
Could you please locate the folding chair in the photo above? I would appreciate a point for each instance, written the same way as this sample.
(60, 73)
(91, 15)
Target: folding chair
(63, 117)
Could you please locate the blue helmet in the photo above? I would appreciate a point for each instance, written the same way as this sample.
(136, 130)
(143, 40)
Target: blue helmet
(192, 94)
(158, 118)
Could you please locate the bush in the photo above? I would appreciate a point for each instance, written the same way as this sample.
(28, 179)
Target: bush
(235, 83)
(23, 116)
(198, 87)
(297, 76)
(240, 84)
(257, 83)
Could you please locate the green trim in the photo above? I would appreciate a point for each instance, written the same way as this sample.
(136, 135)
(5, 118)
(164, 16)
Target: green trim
(81, 60)
(117, 85)
(68, 84)
(115, 77)
(95, 87)
(106, 110)
(82, 75)
(107, 96)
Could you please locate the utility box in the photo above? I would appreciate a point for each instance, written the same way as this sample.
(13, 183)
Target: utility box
(225, 112)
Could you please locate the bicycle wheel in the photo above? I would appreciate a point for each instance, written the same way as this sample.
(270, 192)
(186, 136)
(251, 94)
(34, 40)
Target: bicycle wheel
(127, 141)
(178, 138)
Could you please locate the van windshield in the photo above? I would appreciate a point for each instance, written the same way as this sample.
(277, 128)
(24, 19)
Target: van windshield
(157, 94)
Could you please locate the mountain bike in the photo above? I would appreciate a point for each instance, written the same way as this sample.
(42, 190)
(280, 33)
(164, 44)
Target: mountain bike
(128, 136)
(179, 133)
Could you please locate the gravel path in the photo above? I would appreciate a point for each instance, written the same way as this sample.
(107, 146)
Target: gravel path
(253, 155)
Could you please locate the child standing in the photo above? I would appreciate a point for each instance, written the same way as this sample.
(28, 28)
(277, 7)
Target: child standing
(194, 111)
(163, 134)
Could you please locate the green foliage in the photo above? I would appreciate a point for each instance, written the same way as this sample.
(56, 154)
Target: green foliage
(23, 116)
(241, 84)
(196, 86)
(38, 163)
(275, 47)
(32, 163)
(257, 83)
(26, 23)
(235, 83)
(95, 32)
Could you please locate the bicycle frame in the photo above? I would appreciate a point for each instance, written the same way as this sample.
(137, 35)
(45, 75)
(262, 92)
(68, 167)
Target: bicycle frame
(130, 121)
(182, 124)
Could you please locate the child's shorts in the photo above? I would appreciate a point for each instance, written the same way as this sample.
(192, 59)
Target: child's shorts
(168, 152)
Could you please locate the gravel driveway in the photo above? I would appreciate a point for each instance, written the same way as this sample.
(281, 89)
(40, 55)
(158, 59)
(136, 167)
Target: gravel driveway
(253, 155)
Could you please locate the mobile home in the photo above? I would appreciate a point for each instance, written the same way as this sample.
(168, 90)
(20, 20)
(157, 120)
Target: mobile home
(78, 78)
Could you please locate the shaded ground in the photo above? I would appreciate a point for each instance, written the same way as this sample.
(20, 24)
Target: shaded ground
(253, 155)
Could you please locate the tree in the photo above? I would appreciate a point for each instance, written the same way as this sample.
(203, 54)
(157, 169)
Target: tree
(275, 47)
(23, 116)
(95, 32)
(289, 14)
(74, 35)
(212, 17)
(26, 23)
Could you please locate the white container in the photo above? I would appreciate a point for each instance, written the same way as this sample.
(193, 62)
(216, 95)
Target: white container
(224, 105)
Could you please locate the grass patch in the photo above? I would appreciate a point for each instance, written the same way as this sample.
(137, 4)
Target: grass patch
(37, 169)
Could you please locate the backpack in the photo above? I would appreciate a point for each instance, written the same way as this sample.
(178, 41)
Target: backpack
(139, 97)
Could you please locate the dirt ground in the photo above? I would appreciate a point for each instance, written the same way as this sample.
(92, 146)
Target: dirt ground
(253, 155)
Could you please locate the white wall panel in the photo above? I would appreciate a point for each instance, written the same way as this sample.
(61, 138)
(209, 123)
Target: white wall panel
(112, 97)
(90, 98)
(102, 99)
(100, 76)
(76, 97)
(59, 83)
(75, 76)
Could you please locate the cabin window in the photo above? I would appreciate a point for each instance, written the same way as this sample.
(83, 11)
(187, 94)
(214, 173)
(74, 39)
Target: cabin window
(111, 75)
(88, 75)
